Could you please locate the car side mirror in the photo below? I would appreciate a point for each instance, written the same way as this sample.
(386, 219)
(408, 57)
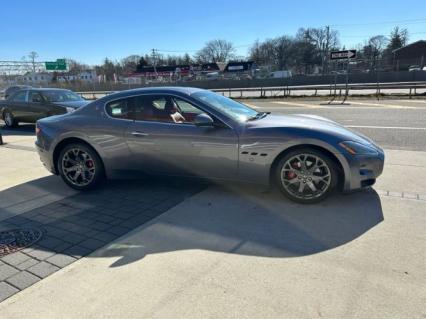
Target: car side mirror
(203, 120)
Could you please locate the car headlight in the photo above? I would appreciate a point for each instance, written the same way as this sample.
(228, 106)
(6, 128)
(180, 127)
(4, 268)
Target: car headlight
(356, 148)
(70, 109)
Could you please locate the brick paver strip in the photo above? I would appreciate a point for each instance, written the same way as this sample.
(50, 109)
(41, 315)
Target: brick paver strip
(61, 260)
(6, 290)
(27, 264)
(15, 259)
(76, 226)
(40, 253)
(43, 269)
(22, 280)
(7, 271)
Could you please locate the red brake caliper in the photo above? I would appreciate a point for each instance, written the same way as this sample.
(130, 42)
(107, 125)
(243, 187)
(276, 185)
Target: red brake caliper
(89, 163)
(291, 174)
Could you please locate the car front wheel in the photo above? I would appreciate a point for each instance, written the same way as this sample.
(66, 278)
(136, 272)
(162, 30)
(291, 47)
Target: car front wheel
(306, 175)
(80, 166)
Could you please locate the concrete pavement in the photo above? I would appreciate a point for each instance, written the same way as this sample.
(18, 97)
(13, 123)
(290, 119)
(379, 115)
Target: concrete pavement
(234, 251)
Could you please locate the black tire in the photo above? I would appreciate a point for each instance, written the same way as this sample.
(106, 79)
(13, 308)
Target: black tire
(97, 168)
(9, 119)
(329, 185)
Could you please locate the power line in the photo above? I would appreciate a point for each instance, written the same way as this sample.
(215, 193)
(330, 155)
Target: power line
(408, 21)
(196, 50)
(367, 36)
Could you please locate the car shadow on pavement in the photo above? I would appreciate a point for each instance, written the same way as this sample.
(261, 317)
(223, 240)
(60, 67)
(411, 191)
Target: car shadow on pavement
(250, 221)
(228, 218)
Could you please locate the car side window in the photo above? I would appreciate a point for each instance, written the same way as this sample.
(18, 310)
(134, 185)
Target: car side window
(20, 96)
(159, 103)
(35, 97)
(157, 108)
(165, 108)
(121, 109)
(188, 110)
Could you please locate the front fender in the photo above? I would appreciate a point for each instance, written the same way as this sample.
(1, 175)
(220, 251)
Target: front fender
(256, 159)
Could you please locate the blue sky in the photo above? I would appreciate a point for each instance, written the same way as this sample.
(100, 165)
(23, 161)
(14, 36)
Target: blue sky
(90, 30)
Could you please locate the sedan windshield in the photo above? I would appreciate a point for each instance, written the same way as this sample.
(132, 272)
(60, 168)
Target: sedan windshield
(61, 96)
(237, 111)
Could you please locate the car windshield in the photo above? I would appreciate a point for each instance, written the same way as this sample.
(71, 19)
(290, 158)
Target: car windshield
(237, 111)
(61, 96)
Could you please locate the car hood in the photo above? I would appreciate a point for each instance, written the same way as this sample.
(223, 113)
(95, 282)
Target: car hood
(73, 104)
(312, 123)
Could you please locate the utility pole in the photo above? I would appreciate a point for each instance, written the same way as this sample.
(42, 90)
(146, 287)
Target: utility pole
(326, 49)
(154, 61)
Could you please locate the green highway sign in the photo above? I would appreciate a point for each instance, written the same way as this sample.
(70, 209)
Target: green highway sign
(58, 65)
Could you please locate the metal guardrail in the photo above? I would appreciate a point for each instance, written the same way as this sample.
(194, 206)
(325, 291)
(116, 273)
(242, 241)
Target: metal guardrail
(332, 88)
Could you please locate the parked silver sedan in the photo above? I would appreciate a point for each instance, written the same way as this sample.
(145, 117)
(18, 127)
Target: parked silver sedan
(194, 132)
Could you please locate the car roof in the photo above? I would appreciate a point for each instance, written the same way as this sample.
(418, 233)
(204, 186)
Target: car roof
(159, 89)
(18, 87)
(47, 89)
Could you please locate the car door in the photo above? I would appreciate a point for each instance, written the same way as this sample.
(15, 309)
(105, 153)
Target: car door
(160, 145)
(37, 107)
(17, 104)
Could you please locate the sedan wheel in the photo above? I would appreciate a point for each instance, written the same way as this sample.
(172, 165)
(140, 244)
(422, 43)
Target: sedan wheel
(9, 120)
(307, 176)
(80, 166)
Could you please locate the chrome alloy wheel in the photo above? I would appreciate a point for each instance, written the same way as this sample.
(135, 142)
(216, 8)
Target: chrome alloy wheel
(78, 167)
(306, 176)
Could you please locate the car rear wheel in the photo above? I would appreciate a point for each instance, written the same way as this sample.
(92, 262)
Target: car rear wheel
(9, 119)
(80, 166)
(306, 175)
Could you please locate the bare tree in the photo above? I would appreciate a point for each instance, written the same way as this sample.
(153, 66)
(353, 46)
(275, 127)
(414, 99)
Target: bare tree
(325, 40)
(264, 53)
(31, 61)
(129, 63)
(75, 67)
(216, 51)
(374, 48)
(284, 52)
(33, 56)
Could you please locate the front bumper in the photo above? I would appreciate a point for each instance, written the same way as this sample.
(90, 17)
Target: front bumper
(364, 169)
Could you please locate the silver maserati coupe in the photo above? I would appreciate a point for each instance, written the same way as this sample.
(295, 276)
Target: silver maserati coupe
(192, 132)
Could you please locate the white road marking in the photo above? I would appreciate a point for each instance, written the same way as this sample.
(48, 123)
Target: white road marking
(392, 106)
(388, 127)
(296, 104)
(414, 101)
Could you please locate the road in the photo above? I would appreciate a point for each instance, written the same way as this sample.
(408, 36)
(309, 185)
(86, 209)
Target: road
(326, 92)
(393, 124)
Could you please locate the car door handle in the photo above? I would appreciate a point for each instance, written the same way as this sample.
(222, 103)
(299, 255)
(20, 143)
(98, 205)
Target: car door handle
(139, 134)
